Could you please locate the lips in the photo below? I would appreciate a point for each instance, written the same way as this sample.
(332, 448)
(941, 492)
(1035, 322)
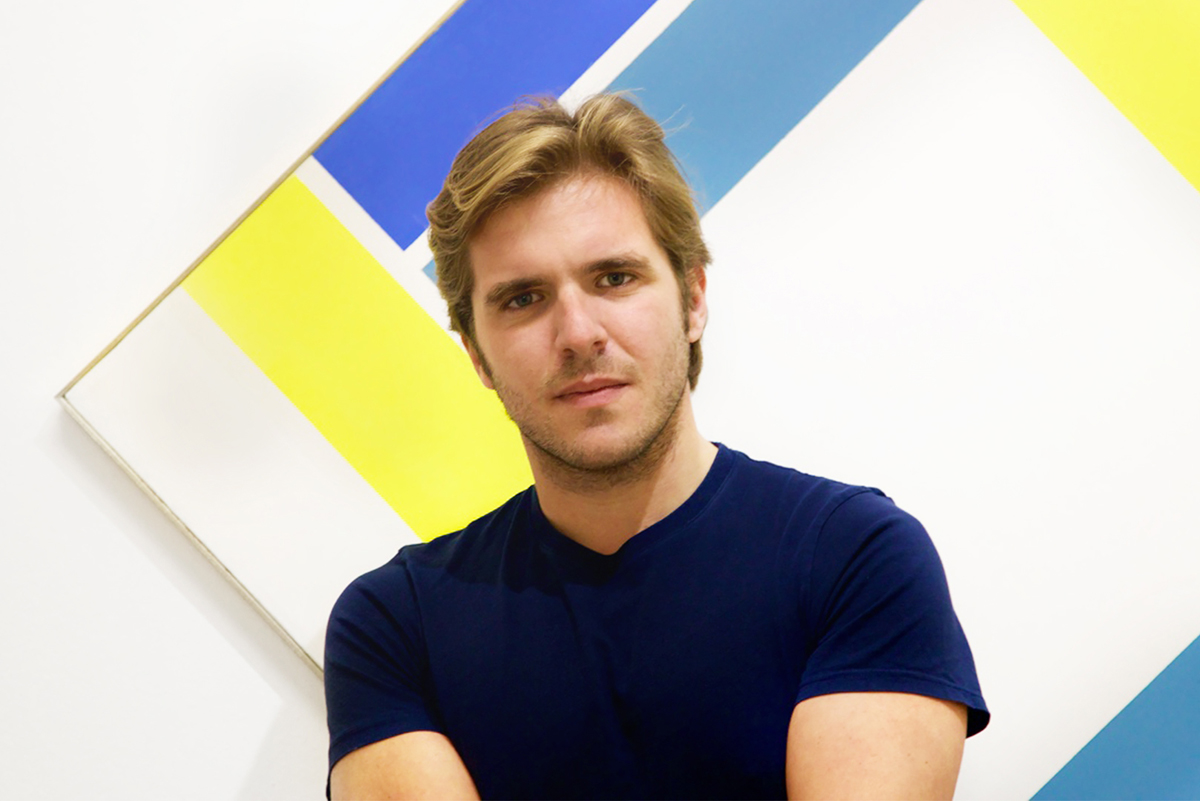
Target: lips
(591, 391)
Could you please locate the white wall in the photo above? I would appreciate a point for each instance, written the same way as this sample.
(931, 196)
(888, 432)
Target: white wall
(133, 134)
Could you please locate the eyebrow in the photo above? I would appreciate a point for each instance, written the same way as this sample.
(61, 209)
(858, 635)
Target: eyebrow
(501, 292)
(623, 262)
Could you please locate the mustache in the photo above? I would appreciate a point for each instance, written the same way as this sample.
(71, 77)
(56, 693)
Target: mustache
(575, 368)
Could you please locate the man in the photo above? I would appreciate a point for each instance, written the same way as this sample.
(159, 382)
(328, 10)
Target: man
(658, 616)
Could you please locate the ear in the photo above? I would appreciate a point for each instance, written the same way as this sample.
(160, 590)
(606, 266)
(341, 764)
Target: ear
(481, 368)
(697, 302)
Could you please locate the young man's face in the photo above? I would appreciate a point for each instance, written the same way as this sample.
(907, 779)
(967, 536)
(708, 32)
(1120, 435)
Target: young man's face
(579, 326)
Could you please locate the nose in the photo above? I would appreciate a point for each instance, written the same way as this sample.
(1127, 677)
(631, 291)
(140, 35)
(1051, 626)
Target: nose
(578, 329)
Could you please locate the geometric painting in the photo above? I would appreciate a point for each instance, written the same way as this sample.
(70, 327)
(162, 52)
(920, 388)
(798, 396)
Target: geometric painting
(956, 256)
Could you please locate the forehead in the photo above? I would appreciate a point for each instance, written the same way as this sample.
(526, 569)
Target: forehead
(571, 223)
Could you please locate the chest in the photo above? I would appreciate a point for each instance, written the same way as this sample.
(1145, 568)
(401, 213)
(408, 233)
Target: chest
(667, 677)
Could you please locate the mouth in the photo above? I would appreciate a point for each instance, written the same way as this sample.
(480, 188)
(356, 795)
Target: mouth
(591, 392)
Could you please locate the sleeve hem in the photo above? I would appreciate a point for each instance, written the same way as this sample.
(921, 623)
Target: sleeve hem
(978, 716)
(365, 736)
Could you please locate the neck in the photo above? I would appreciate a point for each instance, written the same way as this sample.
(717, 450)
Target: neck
(603, 509)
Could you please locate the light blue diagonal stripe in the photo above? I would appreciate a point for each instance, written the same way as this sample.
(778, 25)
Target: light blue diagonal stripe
(732, 78)
(1150, 750)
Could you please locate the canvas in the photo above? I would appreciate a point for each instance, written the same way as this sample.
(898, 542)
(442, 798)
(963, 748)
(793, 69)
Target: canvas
(955, 253)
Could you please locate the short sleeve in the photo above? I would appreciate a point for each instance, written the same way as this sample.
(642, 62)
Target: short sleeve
(376, 668)
(881, 608)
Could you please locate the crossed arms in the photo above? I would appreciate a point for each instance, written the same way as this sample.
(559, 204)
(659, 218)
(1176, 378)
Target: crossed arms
(845, 745)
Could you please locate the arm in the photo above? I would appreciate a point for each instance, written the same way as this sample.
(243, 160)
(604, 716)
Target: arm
(416, 765)
(874, 745)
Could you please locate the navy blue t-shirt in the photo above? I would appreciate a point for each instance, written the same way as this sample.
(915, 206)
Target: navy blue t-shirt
(669, 669)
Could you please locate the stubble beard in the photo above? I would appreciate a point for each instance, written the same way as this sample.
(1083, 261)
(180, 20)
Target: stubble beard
(574, 467)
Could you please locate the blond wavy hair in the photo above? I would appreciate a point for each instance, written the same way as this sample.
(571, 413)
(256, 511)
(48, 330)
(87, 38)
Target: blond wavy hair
(538, 144)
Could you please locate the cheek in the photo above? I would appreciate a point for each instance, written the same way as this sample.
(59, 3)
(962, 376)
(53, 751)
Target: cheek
(514, 358)
(653, 331)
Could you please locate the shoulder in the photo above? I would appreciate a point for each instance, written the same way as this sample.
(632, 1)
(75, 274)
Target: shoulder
(839, 528)
(827, 536)
(869, 590)
(393, 587)
(377, 643)
(799, 501)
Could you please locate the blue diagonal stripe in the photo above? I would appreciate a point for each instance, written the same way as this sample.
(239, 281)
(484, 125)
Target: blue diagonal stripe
(1151, 750)
(732, 78)
(393, 152)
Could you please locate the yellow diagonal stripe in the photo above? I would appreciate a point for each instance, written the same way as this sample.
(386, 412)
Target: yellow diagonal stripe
(1144, 55)
(371, 370)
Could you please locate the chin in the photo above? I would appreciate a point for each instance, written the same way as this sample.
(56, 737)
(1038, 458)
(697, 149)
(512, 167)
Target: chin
(590, 455)
(612, 455)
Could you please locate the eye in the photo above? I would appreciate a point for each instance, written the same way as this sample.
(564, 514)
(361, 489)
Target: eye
(615, 279)
(521, 301)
